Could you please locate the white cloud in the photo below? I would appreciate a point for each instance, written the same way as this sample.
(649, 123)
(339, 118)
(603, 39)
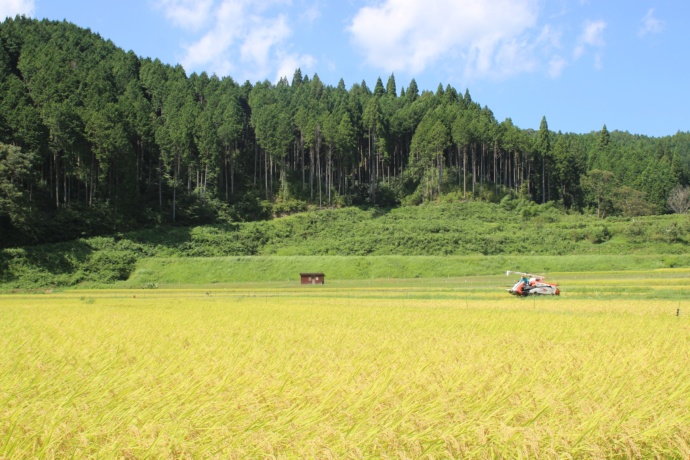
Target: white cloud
(261, 37)
(260, 45)
(11, 8)
(492, 36)
(509, 58)
(311, 14)
(291, 62)
(593, 33)
(189, 14)
(592, 36)
(549, 38)
(245, 37)
(650, 24)
(211, 49)
(556, 66)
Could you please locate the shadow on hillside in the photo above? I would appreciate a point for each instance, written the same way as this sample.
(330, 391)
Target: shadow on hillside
(5, 274)
(64, 259)
(375, 211)
(165, 237)
(46, 261)
(200, 241)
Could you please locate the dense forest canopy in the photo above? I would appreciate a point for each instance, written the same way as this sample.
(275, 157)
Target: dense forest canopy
(94, 139)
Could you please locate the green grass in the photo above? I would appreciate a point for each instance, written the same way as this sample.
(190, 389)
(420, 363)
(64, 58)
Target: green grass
(212, 270)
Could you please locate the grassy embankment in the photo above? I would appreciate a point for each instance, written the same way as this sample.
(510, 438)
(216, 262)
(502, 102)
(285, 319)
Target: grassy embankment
(434, 370)
(222, 270)
(455, 239)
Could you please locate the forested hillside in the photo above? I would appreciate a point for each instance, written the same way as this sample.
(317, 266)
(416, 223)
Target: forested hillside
(94, 140)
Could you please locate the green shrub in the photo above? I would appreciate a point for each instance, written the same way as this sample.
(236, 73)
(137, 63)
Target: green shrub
(636, 232)
(287, 207)
(108, 266)
(576, 235)
(598, 235)
(669, 233)
(342, 201)
(508, 203)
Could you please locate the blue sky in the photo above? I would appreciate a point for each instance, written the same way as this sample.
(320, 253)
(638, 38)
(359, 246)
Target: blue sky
(580, 63)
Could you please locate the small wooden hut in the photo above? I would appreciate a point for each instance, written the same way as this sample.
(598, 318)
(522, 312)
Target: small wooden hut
(312, 278)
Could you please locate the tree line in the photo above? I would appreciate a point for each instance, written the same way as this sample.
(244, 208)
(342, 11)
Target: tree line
(94, 139)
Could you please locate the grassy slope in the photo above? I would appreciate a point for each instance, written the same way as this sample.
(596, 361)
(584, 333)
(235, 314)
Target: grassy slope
(437, 240)
(213, 270)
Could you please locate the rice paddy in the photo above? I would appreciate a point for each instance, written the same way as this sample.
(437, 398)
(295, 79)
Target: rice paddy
(442, 368)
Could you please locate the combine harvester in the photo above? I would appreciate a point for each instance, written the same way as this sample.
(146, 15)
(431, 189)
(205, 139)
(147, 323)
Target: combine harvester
(530, 284)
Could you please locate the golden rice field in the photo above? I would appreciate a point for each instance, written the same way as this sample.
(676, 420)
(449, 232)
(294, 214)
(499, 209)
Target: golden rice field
(382, 369)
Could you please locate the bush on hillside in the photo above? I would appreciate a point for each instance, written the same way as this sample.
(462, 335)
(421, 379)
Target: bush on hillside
(108, 266)
(289, 206)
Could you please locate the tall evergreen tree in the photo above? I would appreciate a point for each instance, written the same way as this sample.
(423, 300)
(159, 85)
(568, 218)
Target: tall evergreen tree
(543, 149)
(390, 86)
(379, 90)
(297, 77)
(604, 138)
(412, 90)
